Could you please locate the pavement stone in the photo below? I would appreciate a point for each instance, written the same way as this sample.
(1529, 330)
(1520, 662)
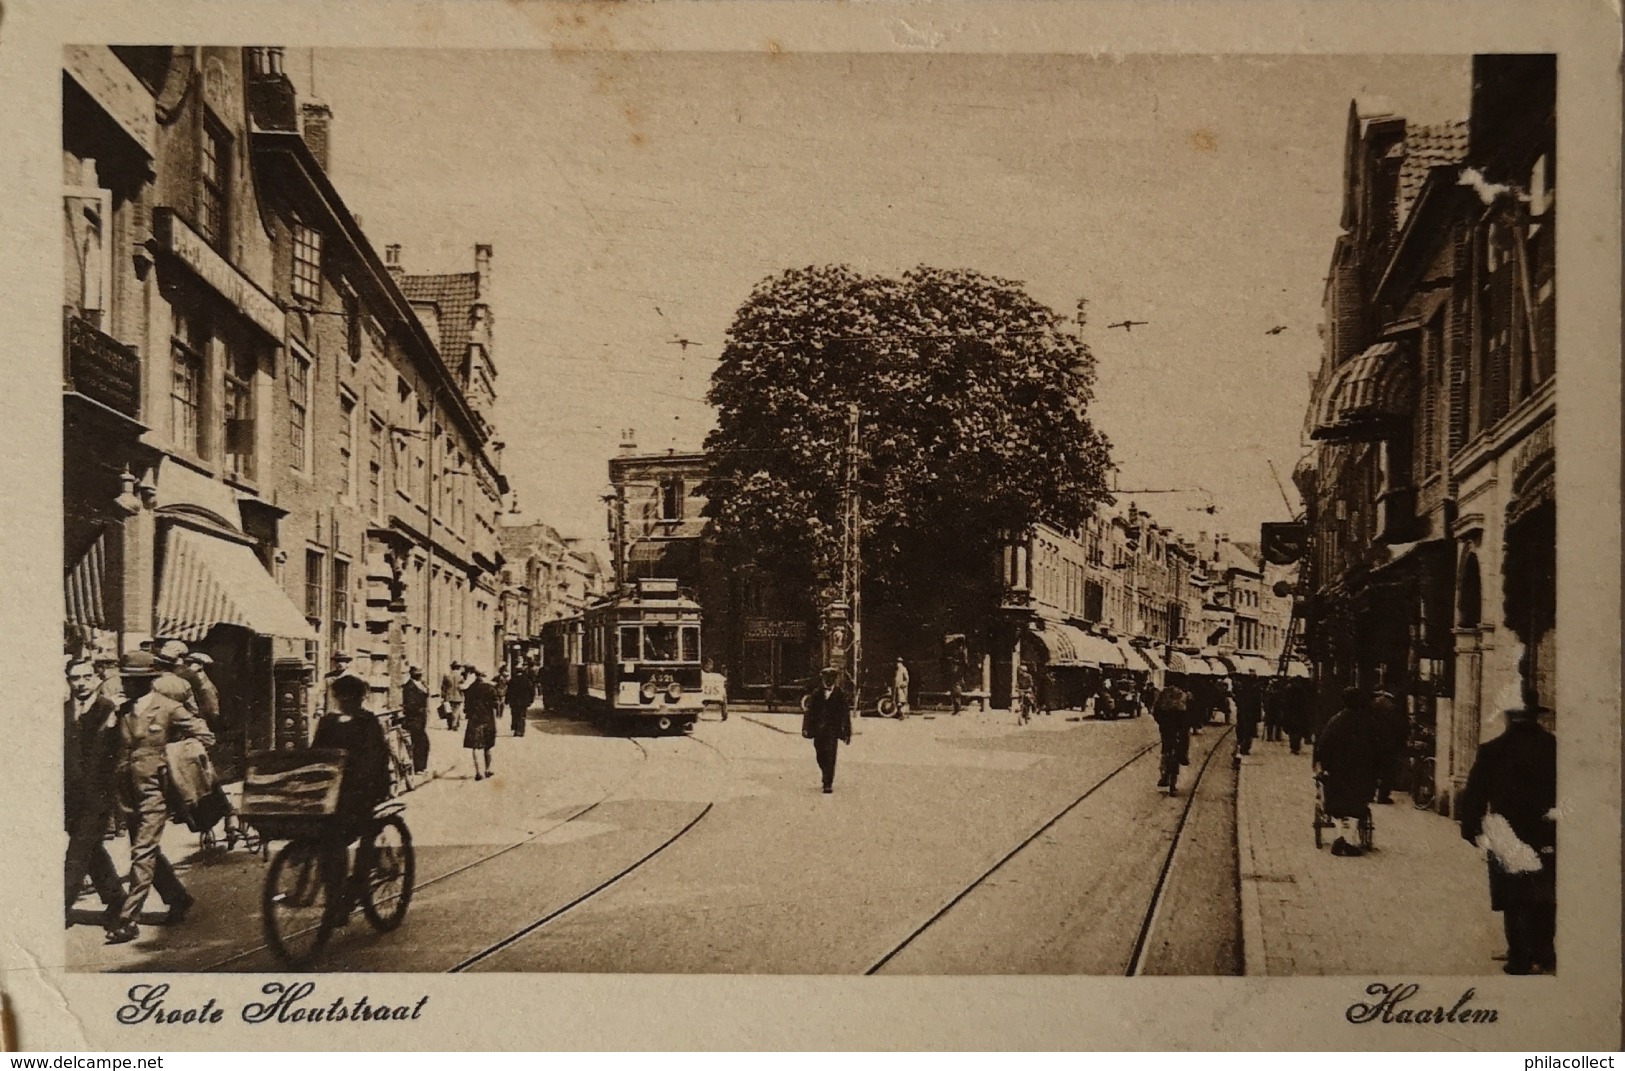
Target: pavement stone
(1417, 904)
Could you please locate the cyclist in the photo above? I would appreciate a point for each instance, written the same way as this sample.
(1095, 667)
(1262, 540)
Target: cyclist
(1173, 725)
(365, 784)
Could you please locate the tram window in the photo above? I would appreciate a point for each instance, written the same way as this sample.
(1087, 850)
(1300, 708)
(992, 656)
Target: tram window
(629, 643)
(691, 644)
(659, 643)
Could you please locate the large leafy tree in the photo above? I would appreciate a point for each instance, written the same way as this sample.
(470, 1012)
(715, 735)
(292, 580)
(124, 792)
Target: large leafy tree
(973, 402)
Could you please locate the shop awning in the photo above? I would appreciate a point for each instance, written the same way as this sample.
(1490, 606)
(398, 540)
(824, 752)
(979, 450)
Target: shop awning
(1188, 664)
(1296, 668)
(1245, 665)
(1215, 666)
(211, 581)
(1363, 397)
(1071, 646)
(1150, 656)
(84, 587)
(1131, 659)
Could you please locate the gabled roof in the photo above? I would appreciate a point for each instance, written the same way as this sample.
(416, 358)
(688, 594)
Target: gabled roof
(1427, 146)
(455, 296)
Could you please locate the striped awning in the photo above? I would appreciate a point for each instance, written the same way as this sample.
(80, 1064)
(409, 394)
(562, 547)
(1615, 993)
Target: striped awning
(84, 587)
(1365, 396)
(1131, 659)
(1215, 666)
(1152, 658)
(1189, 664)
(211, 581)
(1071, 646)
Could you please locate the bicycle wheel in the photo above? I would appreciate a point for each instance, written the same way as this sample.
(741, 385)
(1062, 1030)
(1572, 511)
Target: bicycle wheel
(294, 903)
(1368, 831)
(1422, 792)
(388, 889)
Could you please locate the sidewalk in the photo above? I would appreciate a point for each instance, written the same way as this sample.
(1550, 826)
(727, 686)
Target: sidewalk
(1418, 904)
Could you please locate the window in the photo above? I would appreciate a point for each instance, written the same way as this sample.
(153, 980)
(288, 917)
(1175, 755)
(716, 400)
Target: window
(340, 623)
(375, 466)
(214, 172)
(307, 263)
(629, 643)
(691, 643)
(660, 643)
(346, 444)
(671, 499)
(187, 349)
(313, 589)
(299, 410)
(239, 412)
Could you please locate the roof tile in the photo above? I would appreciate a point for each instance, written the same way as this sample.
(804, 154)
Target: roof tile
(1428, 145)
(456, 296)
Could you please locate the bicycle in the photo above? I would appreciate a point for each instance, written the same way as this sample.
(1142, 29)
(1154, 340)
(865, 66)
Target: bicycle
(402, 770)
(313, 883)
(1420, 769)
(1366, 827)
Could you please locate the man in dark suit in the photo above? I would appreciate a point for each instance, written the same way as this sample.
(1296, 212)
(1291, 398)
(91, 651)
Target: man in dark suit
(1515, 777)
(828, 719)
(89, 755)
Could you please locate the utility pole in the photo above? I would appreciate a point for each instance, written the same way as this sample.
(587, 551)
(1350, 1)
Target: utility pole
(853, 565)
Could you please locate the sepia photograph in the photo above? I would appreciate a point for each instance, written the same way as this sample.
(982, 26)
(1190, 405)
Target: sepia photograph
(930, 513)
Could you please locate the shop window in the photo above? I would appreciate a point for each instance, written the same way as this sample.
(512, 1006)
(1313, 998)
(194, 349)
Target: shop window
(307, 263)
(188, 348)
(214, 173)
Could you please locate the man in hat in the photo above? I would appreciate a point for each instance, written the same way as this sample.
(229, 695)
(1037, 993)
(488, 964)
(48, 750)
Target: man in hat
(828, 719)
(415, 716)
(899, 688)
(171, 682)
(451, 695)
(148, 722)
(1507, 808)
(90, 749)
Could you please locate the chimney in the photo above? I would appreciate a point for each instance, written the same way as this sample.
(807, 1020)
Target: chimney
(482, 267)
(318, 131)
(392, 259)
(272, 102)
(629, 442)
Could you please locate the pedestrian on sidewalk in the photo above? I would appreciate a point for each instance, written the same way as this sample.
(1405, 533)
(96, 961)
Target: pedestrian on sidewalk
(1297, 709)
(451, 696)
(90, 748)
(713, 689)
(1507, 808)
(828, 719)
(899, 688)
(499, 685)
(415, 717)
(1172, 715)
(1393, 729)
(521, 694)
(1274, 700)
(1249, 711)
(1348, 756)
(480, 704)
(148, 722)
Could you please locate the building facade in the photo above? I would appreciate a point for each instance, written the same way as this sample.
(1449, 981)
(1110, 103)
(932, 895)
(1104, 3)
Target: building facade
(239, 370)
(1431, 564)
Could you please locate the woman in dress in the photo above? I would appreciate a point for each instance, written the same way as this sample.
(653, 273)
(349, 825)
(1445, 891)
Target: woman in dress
(480, 734)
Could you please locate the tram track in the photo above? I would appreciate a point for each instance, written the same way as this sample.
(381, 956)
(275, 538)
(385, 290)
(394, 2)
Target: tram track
(1151, 914)
(582, 812)
(601, 887)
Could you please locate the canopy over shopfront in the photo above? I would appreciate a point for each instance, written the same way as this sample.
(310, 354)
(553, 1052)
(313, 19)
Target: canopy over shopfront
(85, 588)
(1191, 665)
(1364, 396)
(208, 581)
(1071, 646)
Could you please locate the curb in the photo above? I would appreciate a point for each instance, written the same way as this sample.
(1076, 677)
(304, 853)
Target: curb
(1253, 961)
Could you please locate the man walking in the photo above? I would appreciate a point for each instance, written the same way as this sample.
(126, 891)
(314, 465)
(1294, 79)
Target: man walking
(828, 720)
(415, 717)
(451, 696)
(1249, 711)
(1173, 727)
(520, 695)
(1507, 809)
(148, 722)
(90, 747)
(1392, 730)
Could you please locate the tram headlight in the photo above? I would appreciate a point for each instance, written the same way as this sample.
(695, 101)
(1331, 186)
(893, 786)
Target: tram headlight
(647, 692)
(674, 691)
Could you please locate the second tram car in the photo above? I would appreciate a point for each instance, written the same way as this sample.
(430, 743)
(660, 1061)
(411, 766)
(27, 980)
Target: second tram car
(633, 656)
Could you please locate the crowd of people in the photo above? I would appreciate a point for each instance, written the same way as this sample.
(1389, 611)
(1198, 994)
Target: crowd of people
(136, 738)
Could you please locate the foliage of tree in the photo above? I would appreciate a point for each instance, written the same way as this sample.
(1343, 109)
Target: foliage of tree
(974, 422)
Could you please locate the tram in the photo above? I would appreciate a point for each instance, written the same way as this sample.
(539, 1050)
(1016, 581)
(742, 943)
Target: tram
(633, 657)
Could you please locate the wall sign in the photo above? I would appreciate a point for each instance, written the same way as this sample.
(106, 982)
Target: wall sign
(190, 249)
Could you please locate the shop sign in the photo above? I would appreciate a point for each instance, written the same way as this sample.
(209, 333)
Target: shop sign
(762, 628)
(190, 249)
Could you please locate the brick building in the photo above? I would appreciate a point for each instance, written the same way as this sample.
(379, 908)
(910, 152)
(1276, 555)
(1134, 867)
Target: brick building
(1429, 498)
